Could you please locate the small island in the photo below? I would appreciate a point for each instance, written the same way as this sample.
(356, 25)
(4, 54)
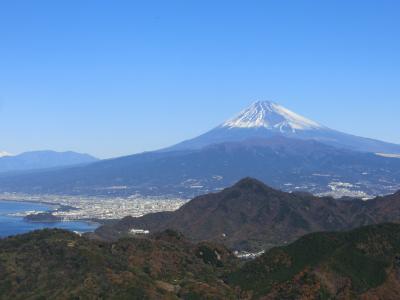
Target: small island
(47, 217)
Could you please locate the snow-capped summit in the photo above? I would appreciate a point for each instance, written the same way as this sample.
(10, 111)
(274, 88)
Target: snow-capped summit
(272, 116)
(264, 119)
(4, 154)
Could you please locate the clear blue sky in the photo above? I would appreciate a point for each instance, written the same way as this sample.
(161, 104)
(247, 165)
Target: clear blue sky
(119, 77)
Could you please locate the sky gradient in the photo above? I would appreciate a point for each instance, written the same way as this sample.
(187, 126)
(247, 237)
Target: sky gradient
(114, 78)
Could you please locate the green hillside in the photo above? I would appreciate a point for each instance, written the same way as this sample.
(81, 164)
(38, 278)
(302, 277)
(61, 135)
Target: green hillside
(325, 265)
(54, 264)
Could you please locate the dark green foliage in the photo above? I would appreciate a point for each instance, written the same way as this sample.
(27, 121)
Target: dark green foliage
(55, 264)
(209, 255)
(363, 256)
(193, 296)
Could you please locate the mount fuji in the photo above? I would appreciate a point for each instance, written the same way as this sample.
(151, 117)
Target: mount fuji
(265, 141)
(264, 119)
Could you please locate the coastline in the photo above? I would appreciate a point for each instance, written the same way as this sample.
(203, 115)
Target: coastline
(54, 207)
(98, 208)
(13, 221)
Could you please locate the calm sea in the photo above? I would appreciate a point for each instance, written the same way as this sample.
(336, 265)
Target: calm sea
(11, 225)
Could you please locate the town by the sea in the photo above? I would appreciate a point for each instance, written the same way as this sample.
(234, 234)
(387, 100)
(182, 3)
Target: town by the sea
(12, 221)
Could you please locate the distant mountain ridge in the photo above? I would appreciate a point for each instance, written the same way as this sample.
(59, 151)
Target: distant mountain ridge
(253, 216)
(265, 119)
(35, 160)
(284, 163)
(265, 141)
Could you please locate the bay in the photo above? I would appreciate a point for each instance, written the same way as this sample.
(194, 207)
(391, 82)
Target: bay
(11, 225)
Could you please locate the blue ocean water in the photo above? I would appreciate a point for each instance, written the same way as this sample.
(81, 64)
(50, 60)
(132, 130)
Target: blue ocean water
(11, 225)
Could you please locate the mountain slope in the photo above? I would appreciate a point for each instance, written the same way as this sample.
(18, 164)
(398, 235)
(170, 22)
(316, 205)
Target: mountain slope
(284, 163)
(266, 141)
(264, 119)
(253, 216)
(42, 160)
(55, 264)
(360, 264)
